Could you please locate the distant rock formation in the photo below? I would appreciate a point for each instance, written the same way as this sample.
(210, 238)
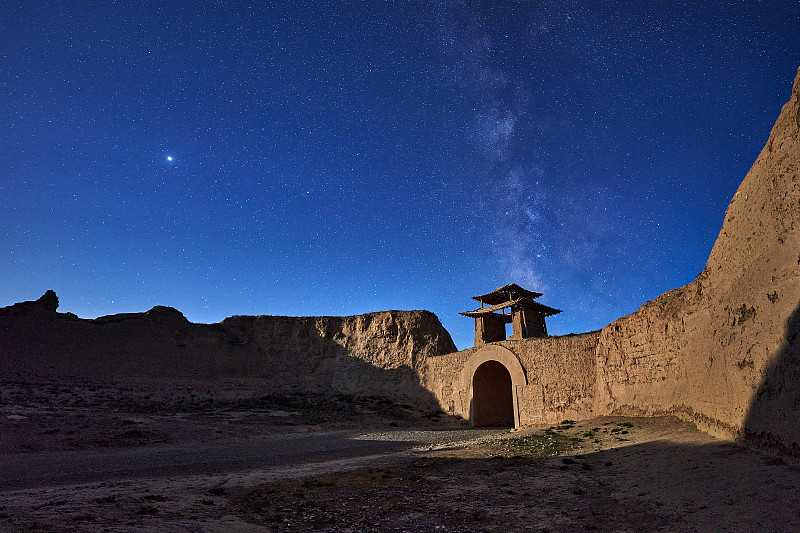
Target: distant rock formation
(48, 303)
(379, 354)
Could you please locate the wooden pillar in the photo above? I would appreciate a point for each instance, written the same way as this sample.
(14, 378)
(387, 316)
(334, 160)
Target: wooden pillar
(519, 329)
(479, 336)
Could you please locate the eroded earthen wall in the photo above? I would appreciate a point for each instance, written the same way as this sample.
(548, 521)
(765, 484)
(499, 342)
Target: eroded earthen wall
(723, 350)
(380, 354)
(561, 377)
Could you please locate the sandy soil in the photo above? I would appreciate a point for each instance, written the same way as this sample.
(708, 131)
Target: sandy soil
(116, 459)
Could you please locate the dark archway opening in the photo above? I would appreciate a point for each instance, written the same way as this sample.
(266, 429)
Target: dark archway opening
(492, 400)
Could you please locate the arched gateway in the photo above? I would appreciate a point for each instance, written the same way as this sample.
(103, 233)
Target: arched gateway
(492, 397)
(492, 376)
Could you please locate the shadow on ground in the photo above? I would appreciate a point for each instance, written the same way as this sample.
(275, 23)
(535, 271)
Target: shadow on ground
(654, 486)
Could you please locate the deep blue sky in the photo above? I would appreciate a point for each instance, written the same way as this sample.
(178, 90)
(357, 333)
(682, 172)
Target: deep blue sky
(335, 158)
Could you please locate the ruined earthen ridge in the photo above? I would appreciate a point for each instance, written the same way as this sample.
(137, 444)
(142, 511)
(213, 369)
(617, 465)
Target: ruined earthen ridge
(381, 354)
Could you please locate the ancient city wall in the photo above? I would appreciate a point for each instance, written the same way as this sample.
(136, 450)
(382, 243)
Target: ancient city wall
(723, 351)
(380, 354)
(561, 377)
(641, 362)
(555, 377)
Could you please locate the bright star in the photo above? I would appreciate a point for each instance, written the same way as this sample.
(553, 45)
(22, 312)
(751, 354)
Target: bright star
(169, 158)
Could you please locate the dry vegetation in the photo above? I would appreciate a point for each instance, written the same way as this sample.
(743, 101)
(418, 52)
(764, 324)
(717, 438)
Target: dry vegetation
(493, 485)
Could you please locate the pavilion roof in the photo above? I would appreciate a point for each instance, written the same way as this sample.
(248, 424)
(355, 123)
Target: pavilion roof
(517, 302)
(506, 293)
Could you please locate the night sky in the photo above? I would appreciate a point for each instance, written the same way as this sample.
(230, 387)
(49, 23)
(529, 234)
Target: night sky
(336, 158)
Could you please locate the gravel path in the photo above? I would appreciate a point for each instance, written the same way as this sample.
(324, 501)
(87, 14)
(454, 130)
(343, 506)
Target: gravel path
(25, 471)
(436, 436)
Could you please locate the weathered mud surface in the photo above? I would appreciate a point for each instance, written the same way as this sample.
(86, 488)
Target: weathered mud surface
(723, 351)
(362, 472)
(379, 354)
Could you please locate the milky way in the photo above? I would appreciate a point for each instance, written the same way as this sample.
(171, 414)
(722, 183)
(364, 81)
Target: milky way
(339, 159)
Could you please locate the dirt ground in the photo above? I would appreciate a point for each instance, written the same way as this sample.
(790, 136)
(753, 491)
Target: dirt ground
(125, 459)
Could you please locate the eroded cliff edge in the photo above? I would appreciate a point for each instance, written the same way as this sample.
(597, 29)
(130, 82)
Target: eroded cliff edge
(379, 354)
(723, 350)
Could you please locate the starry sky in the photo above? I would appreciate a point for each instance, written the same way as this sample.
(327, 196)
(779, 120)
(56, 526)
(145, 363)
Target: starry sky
(337, 158)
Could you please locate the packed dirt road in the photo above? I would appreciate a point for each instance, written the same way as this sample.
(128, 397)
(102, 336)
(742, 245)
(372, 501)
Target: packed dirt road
(365, 465)
(49, 469)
